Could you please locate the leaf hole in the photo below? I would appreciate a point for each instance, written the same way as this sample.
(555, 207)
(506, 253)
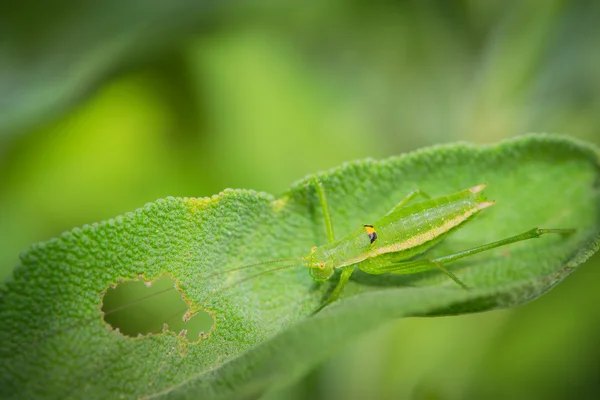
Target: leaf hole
(137, 308)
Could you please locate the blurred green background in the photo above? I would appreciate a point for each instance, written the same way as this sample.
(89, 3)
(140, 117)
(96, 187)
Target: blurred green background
(107, 106)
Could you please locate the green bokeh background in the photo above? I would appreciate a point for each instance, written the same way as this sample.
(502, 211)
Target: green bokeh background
(107, 106)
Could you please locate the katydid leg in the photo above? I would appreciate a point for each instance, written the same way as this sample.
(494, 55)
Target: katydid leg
(407, 267)
(406, 199)
(441, 267)
(344, 277)
(326, 213)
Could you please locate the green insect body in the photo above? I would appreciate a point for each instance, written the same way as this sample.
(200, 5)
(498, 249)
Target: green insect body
(395, 243)
(390, 243)
(401, 234)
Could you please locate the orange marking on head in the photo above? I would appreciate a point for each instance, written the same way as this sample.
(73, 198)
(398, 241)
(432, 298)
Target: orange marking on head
(371, 233)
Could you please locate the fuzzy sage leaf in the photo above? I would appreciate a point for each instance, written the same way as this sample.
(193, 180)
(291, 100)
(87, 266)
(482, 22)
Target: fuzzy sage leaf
(55, 344)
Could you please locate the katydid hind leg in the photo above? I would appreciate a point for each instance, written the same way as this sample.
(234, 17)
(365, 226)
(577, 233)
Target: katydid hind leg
(441, 267)
(407, 267)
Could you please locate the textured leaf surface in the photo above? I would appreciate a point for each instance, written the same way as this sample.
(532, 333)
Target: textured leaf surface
(54, 343)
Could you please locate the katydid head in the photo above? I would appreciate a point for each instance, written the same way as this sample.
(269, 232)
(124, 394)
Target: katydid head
(320, 270)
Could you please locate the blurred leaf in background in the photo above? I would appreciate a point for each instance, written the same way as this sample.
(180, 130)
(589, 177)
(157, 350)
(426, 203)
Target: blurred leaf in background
(106, 106)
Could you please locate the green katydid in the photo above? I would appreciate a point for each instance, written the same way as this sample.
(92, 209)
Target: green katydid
(390, 244)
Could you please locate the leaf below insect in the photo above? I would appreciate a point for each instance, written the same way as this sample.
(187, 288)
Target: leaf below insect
(54, 342)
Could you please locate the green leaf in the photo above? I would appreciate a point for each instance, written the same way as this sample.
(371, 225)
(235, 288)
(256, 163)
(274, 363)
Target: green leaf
(57, 54)
(54, 342)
